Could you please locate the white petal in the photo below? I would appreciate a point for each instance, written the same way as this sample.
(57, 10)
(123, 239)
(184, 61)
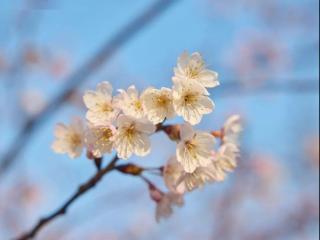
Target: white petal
(74, 153)
(206, 105)
(105, 88)
(171, 173)
(142, 145)
(203, 157)
(60, 130)
(205, 139)
(59, 147)
(183, 60)
(183, 156)
(196, 56)
(90, 99)
(124, 120)
(132, 92)
(123, 147)
(191, 115)
(77, 125)
(209, 79)
(145, 126)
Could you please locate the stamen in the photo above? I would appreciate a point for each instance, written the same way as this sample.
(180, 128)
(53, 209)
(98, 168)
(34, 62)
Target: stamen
(190, 99)
(106, 107)
(138, 105)
(162, 101)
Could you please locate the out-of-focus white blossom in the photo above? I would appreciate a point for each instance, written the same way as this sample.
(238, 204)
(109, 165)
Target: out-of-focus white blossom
(130, 102)
(157, 104)
(164, 206)
(226, 157)
(223, 161)
(69, 138)
(232, 129)
(33, 102)
(192, 67)
(99, 139)
(172, 172)
(165, 202)
(194, 148)
(132, 136)
(179, 181)
(101, 109)
(191, 101)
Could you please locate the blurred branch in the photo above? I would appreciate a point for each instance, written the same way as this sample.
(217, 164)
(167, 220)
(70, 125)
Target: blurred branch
(63, 209)
(79, 76)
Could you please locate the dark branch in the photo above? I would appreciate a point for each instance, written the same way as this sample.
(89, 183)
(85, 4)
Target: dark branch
(63, 209)
(79, 76)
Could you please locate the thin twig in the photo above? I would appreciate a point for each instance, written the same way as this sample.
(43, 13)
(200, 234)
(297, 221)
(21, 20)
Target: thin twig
(146, 180)
(63, 209)
(79, 76)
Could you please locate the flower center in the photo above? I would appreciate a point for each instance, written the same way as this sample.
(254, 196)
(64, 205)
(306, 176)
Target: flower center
(138, 105)
(75, 139)
(104, 134)
(194, 69)
(106, 107)
(162, 101)
(191, 147)
(190, 98)
(131, 131)
(192, 73)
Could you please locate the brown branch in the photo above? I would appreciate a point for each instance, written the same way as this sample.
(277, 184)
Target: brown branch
(79, 76)
(63, 209)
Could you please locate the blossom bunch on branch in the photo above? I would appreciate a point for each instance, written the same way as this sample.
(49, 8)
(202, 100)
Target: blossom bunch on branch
(125, 121)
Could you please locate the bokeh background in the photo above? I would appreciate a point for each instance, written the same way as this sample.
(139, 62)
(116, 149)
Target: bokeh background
(267, 55)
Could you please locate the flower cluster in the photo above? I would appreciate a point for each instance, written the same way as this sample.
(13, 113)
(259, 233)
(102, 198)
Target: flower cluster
(125, 121)
(198, 162)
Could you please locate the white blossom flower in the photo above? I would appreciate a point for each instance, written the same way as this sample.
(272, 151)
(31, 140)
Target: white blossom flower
(194, 148)
(221, 162)
(191, 101)
(69, 138)
(130, 102)
(232, 129)
(198, 178)
(101, 109)
(192, 67)
(132, 136)
(99, 139)
(157, 104)
(179, 181)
